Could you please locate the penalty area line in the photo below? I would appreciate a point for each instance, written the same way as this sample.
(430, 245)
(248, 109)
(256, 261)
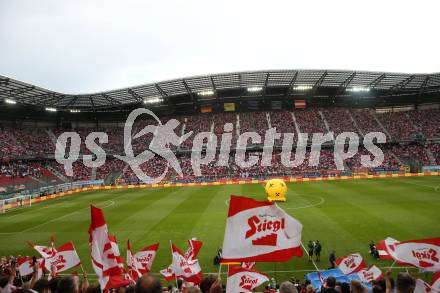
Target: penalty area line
(316, 267)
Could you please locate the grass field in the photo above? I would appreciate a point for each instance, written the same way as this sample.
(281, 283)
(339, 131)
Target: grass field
(343, 215)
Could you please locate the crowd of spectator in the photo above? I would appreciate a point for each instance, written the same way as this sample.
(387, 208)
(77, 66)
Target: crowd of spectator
(427, 121)
(339, 120)
(19, 169)
(19, 141)
(398, 125)
(12, 282)
(310, 121)
(413, 152)
(35, 141)
(365, 120)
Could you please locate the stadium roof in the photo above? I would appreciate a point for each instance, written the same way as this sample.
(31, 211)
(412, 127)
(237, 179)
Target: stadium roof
(289, 81)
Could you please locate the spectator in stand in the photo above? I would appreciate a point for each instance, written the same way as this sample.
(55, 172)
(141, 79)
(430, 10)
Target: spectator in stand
(356, 287)
(211, 284)
(42, 286)
(53, 283)
(7, 282)
(287, 287)
(377, 289)
(68, 284)
(329, 286)
(405, 283)
(148, 284)
(193, 290)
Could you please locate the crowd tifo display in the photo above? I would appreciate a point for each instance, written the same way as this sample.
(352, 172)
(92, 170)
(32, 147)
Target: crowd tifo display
(410, 142)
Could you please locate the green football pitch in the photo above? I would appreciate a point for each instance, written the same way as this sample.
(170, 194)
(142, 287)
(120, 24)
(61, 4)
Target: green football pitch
(343, 215)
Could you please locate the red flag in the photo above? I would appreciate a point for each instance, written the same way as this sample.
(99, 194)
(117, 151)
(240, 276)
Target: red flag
(424, 253)
(371, 274)
(183, 268)
(260, 231)
(244, 280)
(435, 284)
(351, 263)
(65, 258)
(145, 258)
(103, 256)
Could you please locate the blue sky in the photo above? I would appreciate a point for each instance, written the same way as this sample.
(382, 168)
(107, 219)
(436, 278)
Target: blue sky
(86, 46)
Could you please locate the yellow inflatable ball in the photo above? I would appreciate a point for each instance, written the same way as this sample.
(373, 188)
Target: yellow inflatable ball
(276, 190)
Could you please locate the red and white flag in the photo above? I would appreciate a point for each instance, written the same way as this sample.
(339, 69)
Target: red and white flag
(25, 266)
(115, 248)
(65, 258)
(183, 268)
(103, 256)
(241, 280)
(193, 249)
(145, 258)
(248, 265)
(371, 274)
(386, 248)
(260, 231)
(351, 263)
(45, 251)
(132, 264)
(423, 287)
(435, 284)
(423, 254)
(300, 104)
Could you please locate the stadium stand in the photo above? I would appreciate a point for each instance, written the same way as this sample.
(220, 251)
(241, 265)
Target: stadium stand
(19, 141)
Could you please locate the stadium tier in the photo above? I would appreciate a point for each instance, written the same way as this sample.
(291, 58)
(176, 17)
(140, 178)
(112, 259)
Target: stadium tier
(411, 140)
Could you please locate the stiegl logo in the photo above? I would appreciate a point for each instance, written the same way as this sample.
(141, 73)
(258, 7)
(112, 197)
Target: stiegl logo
(266, 226)
(426, 257)
(350, 262)
(248, 282)
(205, 145)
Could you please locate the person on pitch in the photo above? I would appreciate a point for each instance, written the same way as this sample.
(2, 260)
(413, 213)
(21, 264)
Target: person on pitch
(332, 259)
(310, 248)
(317, 250)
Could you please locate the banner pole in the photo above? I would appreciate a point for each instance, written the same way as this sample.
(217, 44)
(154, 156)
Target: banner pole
(172, 259)
(220, 271)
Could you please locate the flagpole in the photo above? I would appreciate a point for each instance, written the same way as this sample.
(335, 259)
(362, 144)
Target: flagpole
(172, 260)
(220, 271)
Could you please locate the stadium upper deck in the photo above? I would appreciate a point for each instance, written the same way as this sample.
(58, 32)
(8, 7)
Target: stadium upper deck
(195, 91)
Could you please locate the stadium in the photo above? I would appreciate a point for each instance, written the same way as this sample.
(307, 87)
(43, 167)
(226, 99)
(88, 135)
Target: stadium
(221, 120)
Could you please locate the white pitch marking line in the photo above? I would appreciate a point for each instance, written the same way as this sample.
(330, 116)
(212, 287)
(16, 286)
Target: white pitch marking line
(66, 215)
(316, 267)
(322, 200)
(91, 274)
